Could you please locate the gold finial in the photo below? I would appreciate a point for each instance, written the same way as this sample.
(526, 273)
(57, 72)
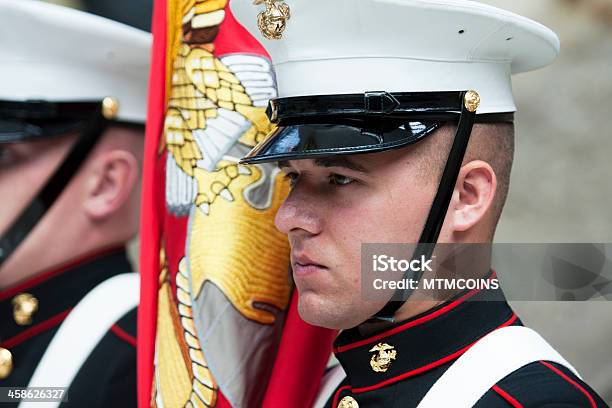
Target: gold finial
(472, 101)
(386, 354)
(24, 307)
(6, 363)
(273, 20)
(110, 107)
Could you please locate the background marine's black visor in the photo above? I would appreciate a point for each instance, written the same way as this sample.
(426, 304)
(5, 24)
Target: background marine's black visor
(32, 120)
(329, 125)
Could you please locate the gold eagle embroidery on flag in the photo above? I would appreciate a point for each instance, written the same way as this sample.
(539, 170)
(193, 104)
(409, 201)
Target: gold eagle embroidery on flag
(215, 114)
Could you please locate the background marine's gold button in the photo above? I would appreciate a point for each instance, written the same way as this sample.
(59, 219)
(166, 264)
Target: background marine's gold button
(24, 307)
(110, 107)
(348, 402)
(6, 363)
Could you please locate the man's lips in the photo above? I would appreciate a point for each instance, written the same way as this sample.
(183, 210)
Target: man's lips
(303, 265)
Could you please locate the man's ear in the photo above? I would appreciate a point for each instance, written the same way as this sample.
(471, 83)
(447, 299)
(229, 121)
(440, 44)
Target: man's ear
(474, 195)
(110, 184)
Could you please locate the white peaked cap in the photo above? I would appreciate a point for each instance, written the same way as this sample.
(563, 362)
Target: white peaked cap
(55, 53)
(356, 46)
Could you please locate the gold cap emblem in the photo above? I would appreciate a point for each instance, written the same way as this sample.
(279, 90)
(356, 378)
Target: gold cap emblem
(472, 101)
(110, 107)
(385, 354)
(273, 20)
(24, 307)
(348, 402)
(6, 363)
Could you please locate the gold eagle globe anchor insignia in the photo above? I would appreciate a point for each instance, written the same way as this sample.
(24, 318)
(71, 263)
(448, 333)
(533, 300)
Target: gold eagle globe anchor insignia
(273, 20)
(381, 361)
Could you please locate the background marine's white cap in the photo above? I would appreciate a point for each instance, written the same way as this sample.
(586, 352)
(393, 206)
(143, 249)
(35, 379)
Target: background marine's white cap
(355, 46)
(55, 53)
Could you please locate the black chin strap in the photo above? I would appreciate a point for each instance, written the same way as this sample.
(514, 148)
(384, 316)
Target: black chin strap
(37, 208)
(439, 207)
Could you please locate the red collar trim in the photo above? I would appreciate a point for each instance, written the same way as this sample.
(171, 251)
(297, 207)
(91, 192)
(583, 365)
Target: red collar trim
(337, 394)
(412, 323)
(45, 276)
(426, 367)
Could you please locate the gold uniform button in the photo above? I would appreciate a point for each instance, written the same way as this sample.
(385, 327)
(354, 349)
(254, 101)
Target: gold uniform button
(24, 307)
(6, 363)
(110, 107)
(348, 402)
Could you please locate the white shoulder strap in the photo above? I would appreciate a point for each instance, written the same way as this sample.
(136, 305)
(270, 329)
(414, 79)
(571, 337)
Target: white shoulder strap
(330, 382)
(487, 362)
(82, 330)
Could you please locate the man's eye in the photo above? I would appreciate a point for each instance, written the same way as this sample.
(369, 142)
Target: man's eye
(292, 177)
(340, 180)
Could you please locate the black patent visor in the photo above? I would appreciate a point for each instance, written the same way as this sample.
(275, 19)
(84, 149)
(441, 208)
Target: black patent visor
(329, 125)
(34, 120)
(316, 140)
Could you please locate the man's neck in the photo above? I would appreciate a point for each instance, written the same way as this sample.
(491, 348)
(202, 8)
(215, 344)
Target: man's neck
(408, 310)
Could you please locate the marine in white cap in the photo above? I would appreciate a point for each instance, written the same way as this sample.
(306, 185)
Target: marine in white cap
(395, 124)
(72, 112)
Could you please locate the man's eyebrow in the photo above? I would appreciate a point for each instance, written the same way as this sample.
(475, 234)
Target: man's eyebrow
(340, 161)
(283, 163)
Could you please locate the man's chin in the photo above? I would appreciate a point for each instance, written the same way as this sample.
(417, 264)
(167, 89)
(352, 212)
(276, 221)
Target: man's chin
(315, 310)
(322, 311)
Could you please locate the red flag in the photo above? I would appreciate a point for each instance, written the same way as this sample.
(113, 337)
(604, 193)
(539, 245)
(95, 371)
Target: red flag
(216, 323)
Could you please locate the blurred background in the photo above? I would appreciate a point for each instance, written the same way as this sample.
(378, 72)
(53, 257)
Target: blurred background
(561, 189)
(136, 13)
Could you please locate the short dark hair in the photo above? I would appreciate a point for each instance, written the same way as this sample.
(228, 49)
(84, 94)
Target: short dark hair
(489, 142)
(494, 144)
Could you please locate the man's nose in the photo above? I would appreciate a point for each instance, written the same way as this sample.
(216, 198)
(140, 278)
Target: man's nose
(298, 213)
